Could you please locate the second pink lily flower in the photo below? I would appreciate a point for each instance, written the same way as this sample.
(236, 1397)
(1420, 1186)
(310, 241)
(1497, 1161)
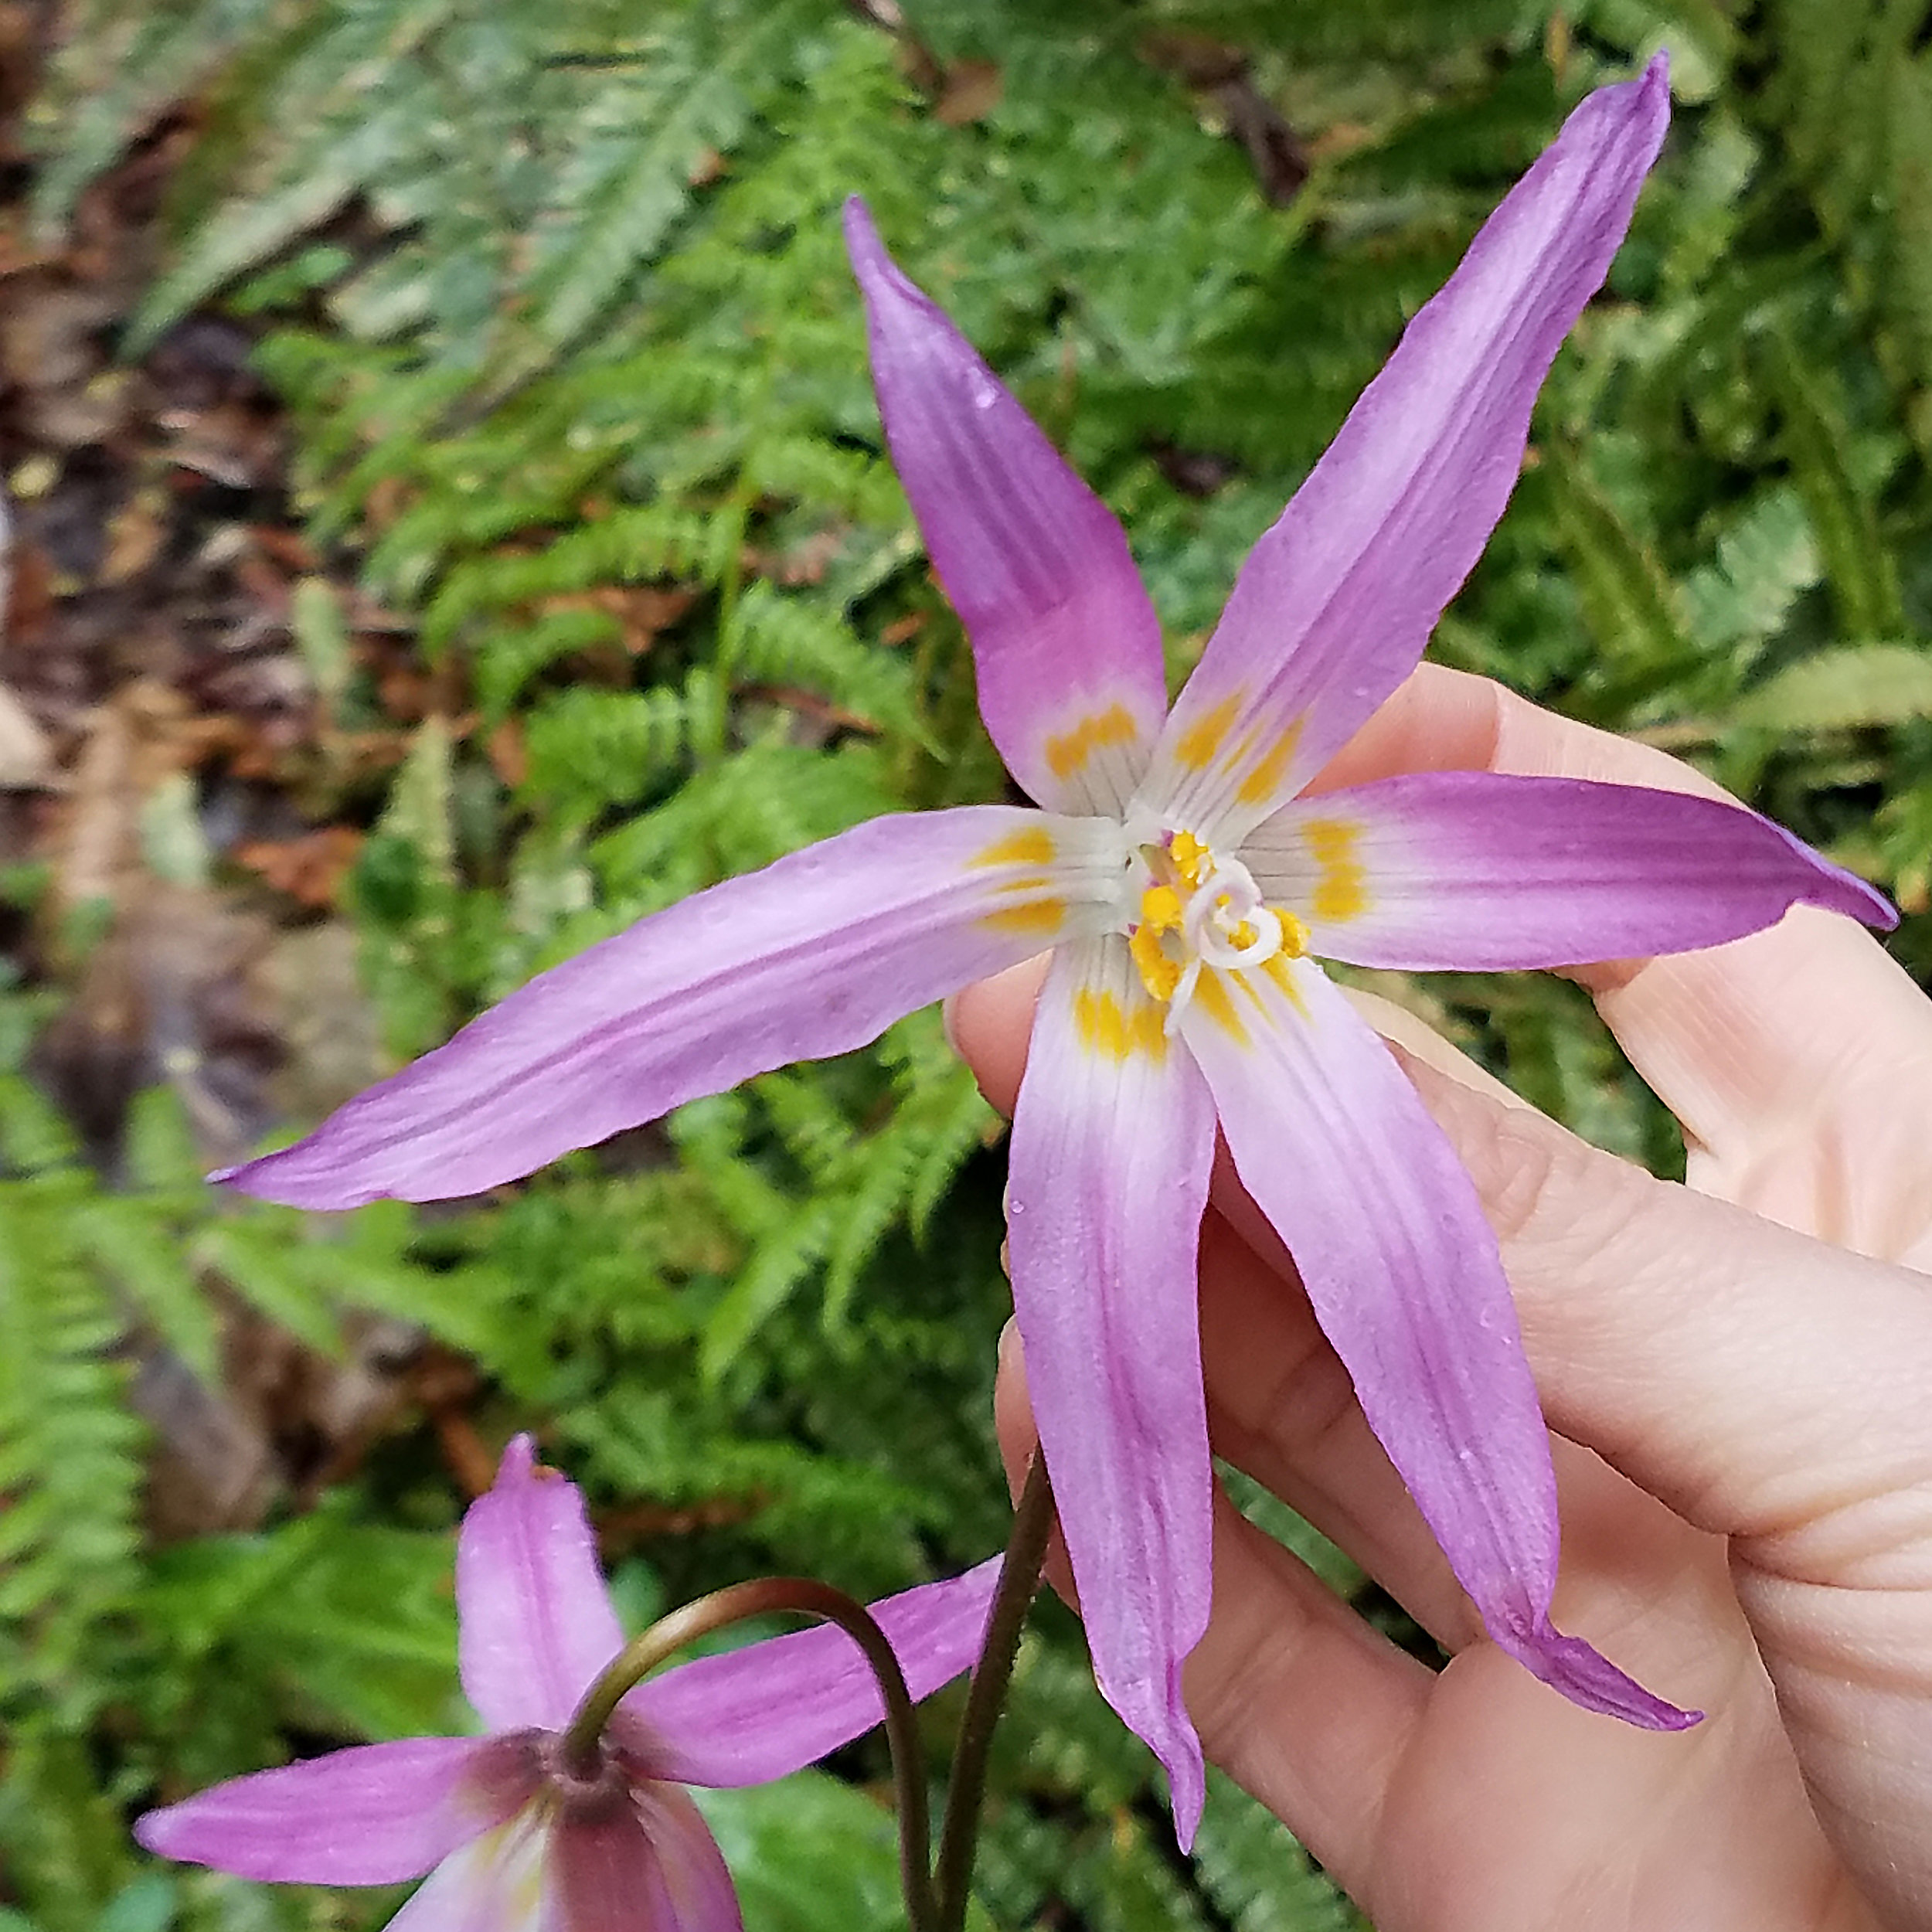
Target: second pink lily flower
(1186, 891)
(514, 1835)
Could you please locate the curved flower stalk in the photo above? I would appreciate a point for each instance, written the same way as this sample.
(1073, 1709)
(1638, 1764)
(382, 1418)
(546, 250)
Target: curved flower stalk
(1186, 891)
(512, 1829)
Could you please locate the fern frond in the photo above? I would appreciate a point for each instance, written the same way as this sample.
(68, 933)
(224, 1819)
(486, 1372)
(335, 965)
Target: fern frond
(596, 749)
(1766, 558)
(639, 144)
(782, 641)
(1259, 1879)
(69, 1448)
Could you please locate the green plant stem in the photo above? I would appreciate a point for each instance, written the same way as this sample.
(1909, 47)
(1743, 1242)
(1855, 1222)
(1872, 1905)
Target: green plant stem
(1012, 1598)
(759, 1598)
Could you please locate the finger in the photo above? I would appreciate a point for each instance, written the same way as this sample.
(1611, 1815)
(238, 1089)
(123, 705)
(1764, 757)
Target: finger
(1697, 1347)
(1766, 1386)
(1436, 720)
(1761, 1383)
(1282, 1410)
(1373, 1760)
(1019, 1443)
(989, 1025)
(1294, 1696)
(1763, 1049)
(1297, 1700)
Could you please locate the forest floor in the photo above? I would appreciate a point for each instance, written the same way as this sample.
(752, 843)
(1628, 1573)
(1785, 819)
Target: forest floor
(178, 813)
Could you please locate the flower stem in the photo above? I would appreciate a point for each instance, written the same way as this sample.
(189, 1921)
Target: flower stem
(670, 1634)
(966, 1792)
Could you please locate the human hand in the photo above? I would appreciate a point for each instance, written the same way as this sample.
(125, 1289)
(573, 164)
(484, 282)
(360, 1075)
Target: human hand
(1738, 1372)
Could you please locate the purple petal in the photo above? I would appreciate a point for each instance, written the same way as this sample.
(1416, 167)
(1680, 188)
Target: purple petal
(1334, 605)
(746, 1716)
(1472, 870)
(1066, 645)
(648, 1864)
(814, 955)
(1404, 1276)
(1112, 1138)
(491, 1884)
(703, 1897)
(372, 1815)
(536, 1626)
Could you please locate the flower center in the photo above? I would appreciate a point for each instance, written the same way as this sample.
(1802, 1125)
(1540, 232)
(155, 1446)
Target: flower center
(583, 1791)
(1199, 910)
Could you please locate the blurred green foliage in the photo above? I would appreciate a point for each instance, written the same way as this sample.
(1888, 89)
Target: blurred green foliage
(555, 291)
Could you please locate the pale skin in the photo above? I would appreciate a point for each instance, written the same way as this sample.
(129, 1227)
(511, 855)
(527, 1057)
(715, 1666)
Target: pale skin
(1738, 1372)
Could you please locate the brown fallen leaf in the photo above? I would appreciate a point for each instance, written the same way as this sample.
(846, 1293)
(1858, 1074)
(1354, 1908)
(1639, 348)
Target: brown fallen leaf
(508, 755)
(135, 533)
(290, 549)
(968, 92)
(133, 742)
(310, 869)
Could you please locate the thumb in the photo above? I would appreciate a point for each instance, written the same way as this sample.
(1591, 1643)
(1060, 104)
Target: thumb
(1758, 1381)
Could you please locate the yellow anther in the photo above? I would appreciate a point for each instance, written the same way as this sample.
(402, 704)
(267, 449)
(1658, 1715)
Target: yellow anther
(1161, 908)
(1191, 858)
(1198, 912)
(1159, 974)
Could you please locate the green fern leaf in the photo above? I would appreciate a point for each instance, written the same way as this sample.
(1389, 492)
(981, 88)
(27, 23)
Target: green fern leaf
(774, 1270)
(132, 1247)
(255, 1260)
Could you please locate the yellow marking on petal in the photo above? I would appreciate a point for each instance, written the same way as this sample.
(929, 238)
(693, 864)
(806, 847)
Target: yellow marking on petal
(1106, 1027)
(524, 1899)
(1034, 846)
(1069, 750)
(1042, 916)
(1198, 743)
(1211, 995)
(1343, 891)
(1277, 969)
(1266, 779)
(1159, 974)
(1342, 894)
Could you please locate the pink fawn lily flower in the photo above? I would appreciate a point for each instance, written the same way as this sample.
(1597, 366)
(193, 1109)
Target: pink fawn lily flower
(1185, 890)
(511, 1834)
